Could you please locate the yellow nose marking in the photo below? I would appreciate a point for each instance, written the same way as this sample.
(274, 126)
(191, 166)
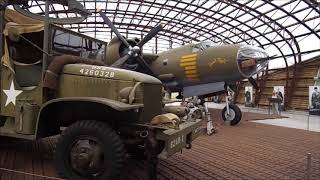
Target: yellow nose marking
(217, 61)
(189, 63)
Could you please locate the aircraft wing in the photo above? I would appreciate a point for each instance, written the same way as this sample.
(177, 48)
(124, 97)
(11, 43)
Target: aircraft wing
(203, 89)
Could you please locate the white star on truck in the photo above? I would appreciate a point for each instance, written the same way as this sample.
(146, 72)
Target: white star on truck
(12, 94)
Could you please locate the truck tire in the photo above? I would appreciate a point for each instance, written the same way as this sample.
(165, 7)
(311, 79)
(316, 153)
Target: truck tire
(89, 150)
(235, 114)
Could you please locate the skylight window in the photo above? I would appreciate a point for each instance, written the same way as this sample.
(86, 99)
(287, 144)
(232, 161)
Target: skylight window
(220, 21)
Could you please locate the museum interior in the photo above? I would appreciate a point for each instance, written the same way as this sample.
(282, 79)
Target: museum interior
(160, 89)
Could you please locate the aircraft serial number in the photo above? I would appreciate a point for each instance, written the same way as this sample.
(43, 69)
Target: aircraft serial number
(97, 72)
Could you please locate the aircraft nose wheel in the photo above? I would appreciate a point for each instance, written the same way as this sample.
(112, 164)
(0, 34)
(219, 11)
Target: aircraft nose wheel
(234, 115)
(230, 116)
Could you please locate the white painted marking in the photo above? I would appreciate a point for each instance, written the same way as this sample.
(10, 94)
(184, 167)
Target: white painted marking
(12, 94)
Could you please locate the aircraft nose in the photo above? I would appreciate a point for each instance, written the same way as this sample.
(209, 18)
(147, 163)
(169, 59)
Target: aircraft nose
(251, 60)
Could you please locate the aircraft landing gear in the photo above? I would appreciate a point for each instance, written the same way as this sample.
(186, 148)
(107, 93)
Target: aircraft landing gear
(234, 115)
(199, 110)
(210, 128)
(231, 113)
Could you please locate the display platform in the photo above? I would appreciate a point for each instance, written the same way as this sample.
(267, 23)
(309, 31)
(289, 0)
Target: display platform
(314, 112)
(266, 152)
(248, 104)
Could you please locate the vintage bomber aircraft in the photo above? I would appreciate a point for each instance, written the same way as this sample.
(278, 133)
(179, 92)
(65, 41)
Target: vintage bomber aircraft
(201, 69)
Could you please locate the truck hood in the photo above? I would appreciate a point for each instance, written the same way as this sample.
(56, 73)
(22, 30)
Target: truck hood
(108, 73)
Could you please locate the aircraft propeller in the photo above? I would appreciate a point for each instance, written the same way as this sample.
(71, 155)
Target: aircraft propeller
(134, 53)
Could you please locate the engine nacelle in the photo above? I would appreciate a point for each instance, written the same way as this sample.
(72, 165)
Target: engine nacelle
(116, 49)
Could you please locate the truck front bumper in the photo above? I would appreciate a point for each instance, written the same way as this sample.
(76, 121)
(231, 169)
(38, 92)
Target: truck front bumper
(177, 139)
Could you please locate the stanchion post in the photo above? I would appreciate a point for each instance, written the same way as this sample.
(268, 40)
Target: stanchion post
(308, 166)
(308, 122)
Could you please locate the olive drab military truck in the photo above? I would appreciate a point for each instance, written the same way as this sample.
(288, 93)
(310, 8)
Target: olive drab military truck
(104, 113)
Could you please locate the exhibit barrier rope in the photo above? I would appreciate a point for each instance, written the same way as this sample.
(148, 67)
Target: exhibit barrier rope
(29, 174)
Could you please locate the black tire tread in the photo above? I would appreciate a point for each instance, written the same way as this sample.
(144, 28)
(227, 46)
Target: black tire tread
(105, 131)
(238, 114)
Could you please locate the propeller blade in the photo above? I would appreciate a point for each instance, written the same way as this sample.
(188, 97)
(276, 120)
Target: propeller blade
(145, 65)
(120, 61)
(153, 32)
(113, 28)
(132, 67)
(254, 83)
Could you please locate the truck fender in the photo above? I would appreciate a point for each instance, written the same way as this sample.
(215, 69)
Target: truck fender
(52, 125)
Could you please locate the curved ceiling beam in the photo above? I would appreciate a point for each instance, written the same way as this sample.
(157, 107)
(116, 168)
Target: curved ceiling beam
(313, 5)
(222, 38)
(142, 26)
(249, 10)
(277, 47)
(215, 19)
(242, 32)
(233, 32)
(173, 32)
(129, 28)
(294, 17)
(253, 17)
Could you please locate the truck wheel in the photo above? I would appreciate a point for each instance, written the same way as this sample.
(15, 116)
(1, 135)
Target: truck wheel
(89, 150)
(235, 114)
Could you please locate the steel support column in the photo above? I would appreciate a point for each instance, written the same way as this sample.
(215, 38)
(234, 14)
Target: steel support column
(156, 43)
(46, 38)
(2, 19)
(2, 23)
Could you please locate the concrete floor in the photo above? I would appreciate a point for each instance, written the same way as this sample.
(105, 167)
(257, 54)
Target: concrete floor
(299, 121)
(296, 119)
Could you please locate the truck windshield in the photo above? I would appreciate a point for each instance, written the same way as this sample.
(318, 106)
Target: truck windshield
(66, 42)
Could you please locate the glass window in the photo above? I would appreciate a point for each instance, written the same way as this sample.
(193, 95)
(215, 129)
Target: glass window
(66, 43)
(251, 60)
(91, 49)
(201, 46)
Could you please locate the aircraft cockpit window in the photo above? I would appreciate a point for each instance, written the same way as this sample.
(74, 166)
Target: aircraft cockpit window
(195, 48)
(251, 60)
(201, 46)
